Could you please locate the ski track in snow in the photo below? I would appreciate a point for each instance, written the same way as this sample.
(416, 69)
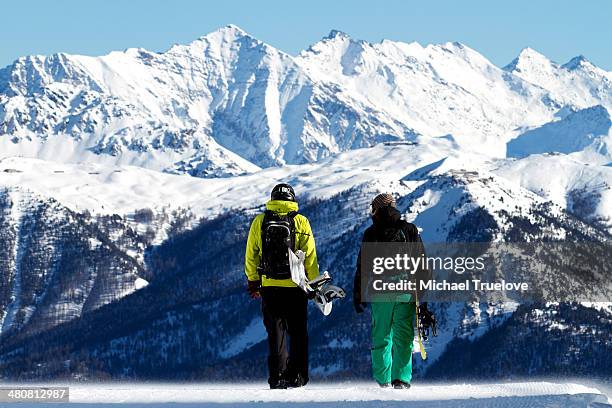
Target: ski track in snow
(524, 394)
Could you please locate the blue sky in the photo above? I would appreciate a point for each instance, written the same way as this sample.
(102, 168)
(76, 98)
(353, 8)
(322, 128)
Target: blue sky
(498, 29)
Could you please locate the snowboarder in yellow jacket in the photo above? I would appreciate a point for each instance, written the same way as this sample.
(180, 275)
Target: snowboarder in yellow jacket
(284, 305)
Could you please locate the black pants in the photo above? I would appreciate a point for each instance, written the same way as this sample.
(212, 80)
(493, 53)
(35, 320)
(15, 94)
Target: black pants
(285, 315)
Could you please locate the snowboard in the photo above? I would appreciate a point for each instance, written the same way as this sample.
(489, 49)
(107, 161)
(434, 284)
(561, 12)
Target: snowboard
(320, 290)
(418, 328)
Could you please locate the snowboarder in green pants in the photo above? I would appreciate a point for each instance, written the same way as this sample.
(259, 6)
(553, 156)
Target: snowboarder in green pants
(392, 321)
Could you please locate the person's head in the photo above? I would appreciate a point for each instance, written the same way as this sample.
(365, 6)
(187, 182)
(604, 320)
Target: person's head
(283, 192)
(382, 200)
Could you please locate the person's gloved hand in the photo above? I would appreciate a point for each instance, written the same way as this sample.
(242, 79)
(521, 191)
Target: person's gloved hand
(427, 321)
(253, 288)
(311, 294)
(357, 303)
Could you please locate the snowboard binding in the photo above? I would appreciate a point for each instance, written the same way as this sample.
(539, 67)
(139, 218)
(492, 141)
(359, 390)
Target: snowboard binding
(323, 292)
(319, 289)
(322, 287)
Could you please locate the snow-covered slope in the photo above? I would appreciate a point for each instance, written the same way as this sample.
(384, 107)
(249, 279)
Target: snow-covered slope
(433, 178)
(451, 189)
(56, 264)
(532, 394)
(580, 188)
(105, 189)
(586, 128)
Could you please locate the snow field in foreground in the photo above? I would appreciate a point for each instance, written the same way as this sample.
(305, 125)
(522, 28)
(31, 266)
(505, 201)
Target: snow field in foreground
(524, 394)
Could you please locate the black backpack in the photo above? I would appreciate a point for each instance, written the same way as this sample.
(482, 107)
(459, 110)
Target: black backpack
(393, 234)
(277, 234)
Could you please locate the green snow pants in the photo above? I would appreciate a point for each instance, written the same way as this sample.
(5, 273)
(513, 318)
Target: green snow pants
(392, 336)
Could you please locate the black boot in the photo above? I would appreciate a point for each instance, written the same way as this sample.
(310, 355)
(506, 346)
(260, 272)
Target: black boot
(400, 385)
(278, 384)
(297, 381)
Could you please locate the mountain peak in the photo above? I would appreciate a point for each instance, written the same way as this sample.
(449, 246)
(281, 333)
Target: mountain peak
(456, 47)
(527, 57)
(229, 32)
(529, 54)
(232, 28)
(333, 34)
(336, 39)
(576, 62)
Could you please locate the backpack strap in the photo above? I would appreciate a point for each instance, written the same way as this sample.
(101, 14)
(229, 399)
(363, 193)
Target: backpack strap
(267, 215)
(291, 215)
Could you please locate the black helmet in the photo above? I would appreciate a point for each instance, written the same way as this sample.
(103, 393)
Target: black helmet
(283, 192)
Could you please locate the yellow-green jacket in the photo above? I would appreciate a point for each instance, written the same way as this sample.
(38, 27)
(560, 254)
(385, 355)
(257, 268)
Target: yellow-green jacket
(304, 240)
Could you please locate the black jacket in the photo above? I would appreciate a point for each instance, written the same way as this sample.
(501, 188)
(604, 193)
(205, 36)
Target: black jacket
(384, 219)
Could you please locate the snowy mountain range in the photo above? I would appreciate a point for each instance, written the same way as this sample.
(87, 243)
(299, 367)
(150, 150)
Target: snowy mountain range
(228, 103)
(128, 181)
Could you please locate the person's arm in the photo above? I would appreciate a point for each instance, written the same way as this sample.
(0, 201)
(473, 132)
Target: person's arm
(357, 303)
(306, 237)
(252, 255)
(357, 300)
